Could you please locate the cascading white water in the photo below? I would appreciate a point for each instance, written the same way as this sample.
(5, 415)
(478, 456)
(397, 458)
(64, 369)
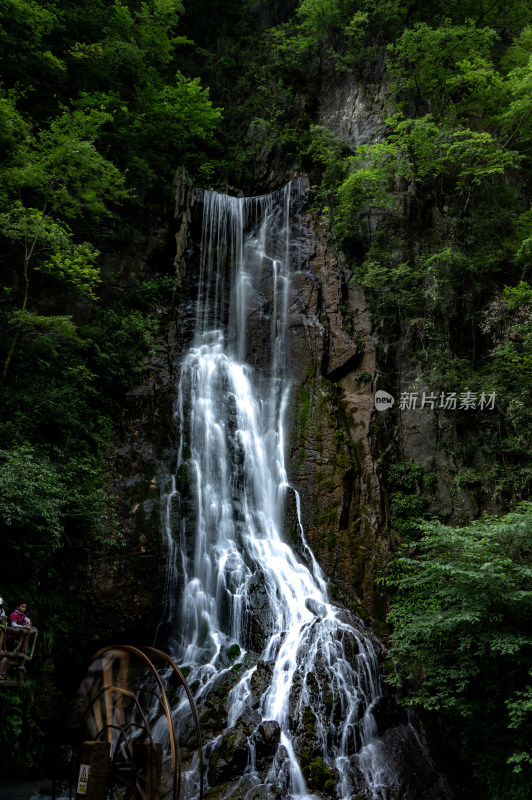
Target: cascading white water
(231, 418)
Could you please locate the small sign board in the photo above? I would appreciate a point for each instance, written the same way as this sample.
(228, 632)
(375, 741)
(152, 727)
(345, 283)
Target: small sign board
(83, 779)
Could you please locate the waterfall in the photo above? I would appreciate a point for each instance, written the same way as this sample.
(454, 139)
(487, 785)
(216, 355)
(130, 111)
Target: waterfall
(230, 491)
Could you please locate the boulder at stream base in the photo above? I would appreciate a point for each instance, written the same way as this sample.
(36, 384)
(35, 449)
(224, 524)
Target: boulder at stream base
(230, 756)
(409, 759)
(267, 738)
(245, 789)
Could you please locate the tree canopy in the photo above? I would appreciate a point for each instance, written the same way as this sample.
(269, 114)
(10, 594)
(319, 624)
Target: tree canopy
(461, 614)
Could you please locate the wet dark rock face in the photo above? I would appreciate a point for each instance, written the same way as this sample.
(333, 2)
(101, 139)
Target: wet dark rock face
(332, 361)
(229, 758)
(416, 777)
(258, 618)
(231, 775)
(330, 342)
(231, 755)
(144, 439)
(229, 749)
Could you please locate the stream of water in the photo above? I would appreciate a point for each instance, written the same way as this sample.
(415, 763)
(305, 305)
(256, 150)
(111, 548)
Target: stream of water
(231, 415)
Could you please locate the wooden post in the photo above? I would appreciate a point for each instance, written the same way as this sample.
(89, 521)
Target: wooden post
(93, 771)
(149, 760)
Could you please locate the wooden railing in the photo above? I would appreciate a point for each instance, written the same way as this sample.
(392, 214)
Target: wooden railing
(23, 650)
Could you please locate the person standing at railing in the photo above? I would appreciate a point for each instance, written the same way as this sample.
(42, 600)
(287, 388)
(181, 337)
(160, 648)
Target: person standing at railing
(18, 623)
(3, 623)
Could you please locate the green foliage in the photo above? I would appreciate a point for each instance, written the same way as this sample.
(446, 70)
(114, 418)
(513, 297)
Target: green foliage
(397, 288)
(11, 729)
(58, 168)
(66, 169)
(21, 738)
(105, 91)
(152, 292)
(418, 156)
(475, 157)
(320, 17)
(374, 167)
(48, 247)
(444, 64)
(514, 113)
(52, 176)
(128, 68)
(325, 159)
(119, 336)
(56, 516)
(409, 487)
(462, 602)
(174, 119)
(518, 296)
(431, 224)
(31, 501)
(508, 323)
(520, 713)
(25, 50)
(46, 326)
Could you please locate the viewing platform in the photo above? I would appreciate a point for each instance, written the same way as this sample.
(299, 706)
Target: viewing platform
(20, 654)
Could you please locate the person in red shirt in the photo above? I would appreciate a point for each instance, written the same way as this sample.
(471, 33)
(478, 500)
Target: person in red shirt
(18, 622)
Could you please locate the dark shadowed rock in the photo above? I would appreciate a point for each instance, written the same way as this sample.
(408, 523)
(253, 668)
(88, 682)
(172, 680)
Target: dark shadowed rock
(232, 790)
(229, 758)
(213, 707)
(408, 757)
(261, 678)
(316, 608)
(249, 720)
(259, 625)
(264, 791)
(266, 738)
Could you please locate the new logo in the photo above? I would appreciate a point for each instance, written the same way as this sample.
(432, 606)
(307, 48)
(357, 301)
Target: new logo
(383, 400)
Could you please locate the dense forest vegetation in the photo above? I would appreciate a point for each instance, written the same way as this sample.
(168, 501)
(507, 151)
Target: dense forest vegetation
(100, 103)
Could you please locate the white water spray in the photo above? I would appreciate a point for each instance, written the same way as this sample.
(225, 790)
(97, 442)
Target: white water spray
(325, 673)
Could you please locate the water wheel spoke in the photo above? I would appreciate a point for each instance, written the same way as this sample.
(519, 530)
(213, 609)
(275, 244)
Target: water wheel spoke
(124, 701)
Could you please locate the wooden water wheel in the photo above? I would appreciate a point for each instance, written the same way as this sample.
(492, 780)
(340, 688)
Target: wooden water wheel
(130, 729)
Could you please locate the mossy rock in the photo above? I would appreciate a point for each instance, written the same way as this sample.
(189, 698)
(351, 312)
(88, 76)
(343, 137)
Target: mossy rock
(233, 652)
(309, 722)
(319, 776)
